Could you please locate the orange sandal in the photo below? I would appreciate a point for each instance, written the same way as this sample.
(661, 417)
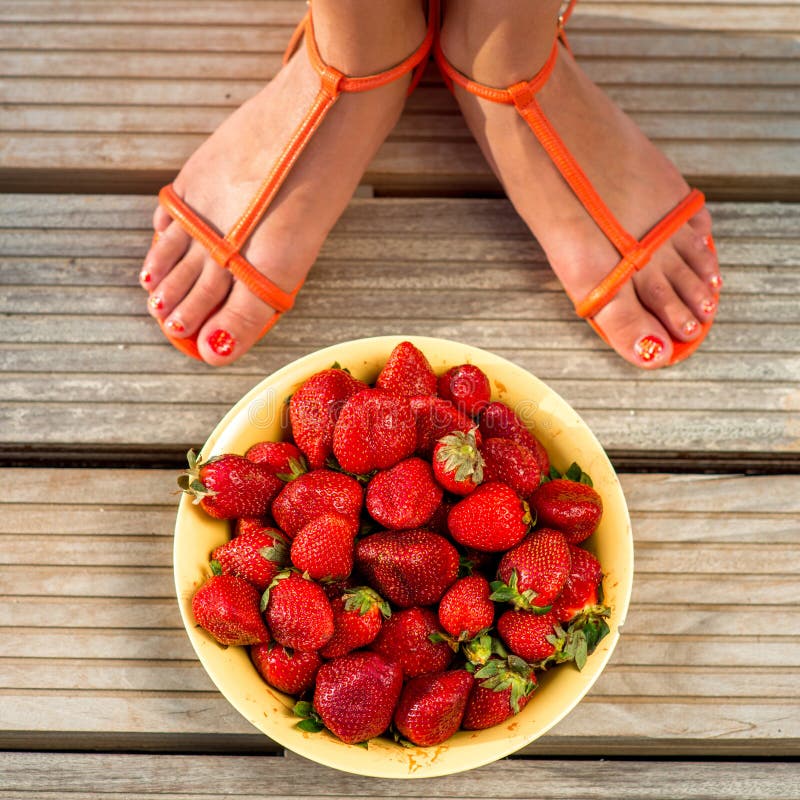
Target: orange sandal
(635, 253)
(225, 249)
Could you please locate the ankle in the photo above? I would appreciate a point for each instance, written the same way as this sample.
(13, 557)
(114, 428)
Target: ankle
(361, 37)
(507, 42)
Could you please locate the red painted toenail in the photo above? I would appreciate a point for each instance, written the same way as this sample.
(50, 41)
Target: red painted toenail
(156, 237)
(221, 342)
(174, 326)
(156, 302)
(716, 282)
(708, 306)
(690, 327)
(648, 348)
(707, 241)
(145, 276)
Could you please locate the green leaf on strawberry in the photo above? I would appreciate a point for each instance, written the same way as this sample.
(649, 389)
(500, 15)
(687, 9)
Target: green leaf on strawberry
(510, 673)
(216, 567)
(311, 722)
(509, 593)
(363, 599)
(574, 473)
(297, 467)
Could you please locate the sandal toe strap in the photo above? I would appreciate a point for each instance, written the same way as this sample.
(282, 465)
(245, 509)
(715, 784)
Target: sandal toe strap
(224, 252)
(637, 257)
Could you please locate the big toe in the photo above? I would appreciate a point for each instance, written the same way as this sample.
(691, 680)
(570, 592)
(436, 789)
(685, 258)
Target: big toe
(231, 331)
(633, 331)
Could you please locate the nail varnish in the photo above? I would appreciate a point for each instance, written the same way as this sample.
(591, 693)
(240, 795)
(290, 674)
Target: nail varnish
(174, 325)
(648, 348)
(690, 327)
(145, 276)
(156, 302)
(708, 306)
(716, 282)
(221, 342)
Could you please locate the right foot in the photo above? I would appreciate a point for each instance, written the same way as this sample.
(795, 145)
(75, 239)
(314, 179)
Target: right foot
(678, 288)
(189, 293)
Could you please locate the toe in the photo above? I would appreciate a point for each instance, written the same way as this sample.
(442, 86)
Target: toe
(663, 291)
(634, 332)
(166, 251)
(235, 328)
(176, 285)
(695, 293)
(696, 246)
(198, 292)
(161, 219)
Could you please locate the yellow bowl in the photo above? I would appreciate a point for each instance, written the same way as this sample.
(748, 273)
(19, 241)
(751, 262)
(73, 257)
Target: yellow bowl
(260, 415)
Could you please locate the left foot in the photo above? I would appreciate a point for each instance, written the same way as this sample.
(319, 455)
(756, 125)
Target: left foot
(678, 289)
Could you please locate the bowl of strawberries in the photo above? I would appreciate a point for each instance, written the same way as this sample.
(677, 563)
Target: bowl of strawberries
(402, 557)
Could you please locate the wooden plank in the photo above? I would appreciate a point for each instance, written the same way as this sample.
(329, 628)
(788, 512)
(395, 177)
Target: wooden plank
(89, 775)
(77, 349)
(708, 662)
(702, 93)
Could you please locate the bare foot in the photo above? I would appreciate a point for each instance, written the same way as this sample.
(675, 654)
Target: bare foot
(678, 288)
(189, 292)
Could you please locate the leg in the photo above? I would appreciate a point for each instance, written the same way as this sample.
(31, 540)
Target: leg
(187, 289)
(508, 41)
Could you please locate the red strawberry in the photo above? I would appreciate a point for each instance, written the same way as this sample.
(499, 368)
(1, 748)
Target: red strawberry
(580, 590)
(529, 635)
(457, 462)
(466, 610)
(431, 707)
(356, 695)
(375, 430)
(288, 671)
(404, 496)
(579, 605)
(230, 486)
(531, 575)
(314, 409)
(227, 607)
(406, 638)
(502, 688)
(498, 420)
(435, 418)
(508, 462)
(407, 372)
(298, 612)
(283, 457)
(256, 555)
(324, 547)
(357, 618)
(574, 508)
(467, 387)
(254, 524)
(314, 494)
(408, 568)
(492, 518)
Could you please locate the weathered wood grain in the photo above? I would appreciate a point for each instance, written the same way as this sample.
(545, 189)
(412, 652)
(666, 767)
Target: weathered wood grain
(77, 115)
(708, 662)
(87, 776)
(77, 349)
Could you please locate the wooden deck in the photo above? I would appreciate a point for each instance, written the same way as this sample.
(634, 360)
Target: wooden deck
(100, 691)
